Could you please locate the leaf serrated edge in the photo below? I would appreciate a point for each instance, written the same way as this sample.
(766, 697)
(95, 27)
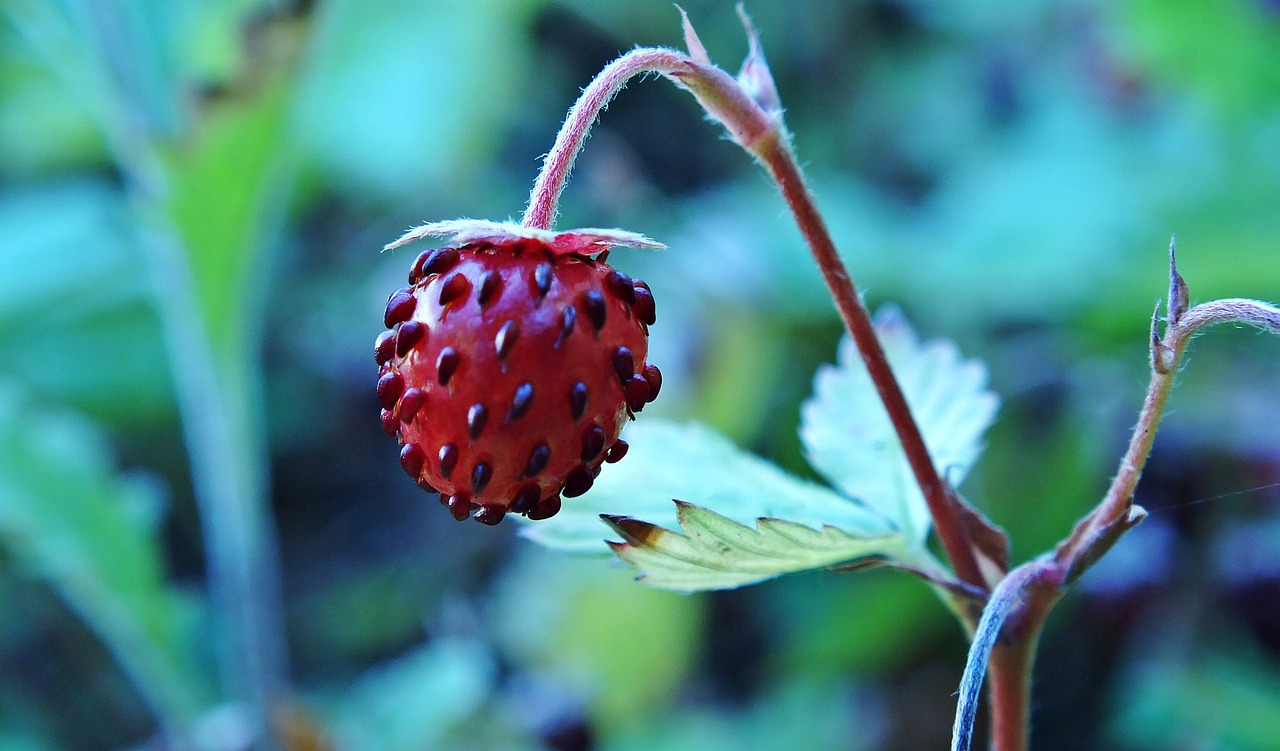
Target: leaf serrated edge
(748, 540)
(643, 536)
(692, 565)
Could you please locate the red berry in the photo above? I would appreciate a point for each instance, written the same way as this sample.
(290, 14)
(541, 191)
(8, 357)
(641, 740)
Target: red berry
(513, 364)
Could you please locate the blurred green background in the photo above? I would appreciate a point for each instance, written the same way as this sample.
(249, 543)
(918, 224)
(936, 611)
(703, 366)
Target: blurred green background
(192, 199)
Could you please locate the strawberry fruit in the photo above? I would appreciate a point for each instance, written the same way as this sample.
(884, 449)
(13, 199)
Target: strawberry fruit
(513, 360)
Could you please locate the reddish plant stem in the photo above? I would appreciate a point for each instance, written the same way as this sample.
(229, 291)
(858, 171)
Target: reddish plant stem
(1010, 662)
(762, 135)
(781, 164)
(1009, 691)
(1092, 537)
(558, 162)
(1003, 651)
(1009, 676)
(1096, 533)
(1029, 592)
(1116, 513)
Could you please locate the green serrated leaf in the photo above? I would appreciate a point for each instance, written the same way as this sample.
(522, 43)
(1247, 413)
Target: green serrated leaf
(67, 519)
(850, 441)
(695, 464)
(715, 552)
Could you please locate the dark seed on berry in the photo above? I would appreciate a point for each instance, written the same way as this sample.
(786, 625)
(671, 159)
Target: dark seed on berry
(620, 283)
(525, 498)
(491, 514)
(477, 416)
(568, 317)
(455, 289)
(446, 364)
(412, 458)
(409, 334)
(578, 399)
(410, 403)
(415, 271)
(542, 279)
(546, 508)
(578, 482)
(459, 505)
(624, 364)
(538, 459)
(448, 459)
(439, 261)
(390, 425)
(506, 339)
(593, 304)
(400, 305)
(385, 347)
(616, 451)
(521, 401)
(592, 442)
(654, 377)
(637, 393)
(644, 307)
(490, 286)
(390, 387)
(480, 476)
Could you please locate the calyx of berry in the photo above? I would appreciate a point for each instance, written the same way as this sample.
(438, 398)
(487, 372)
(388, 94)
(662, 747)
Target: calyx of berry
(576, 241)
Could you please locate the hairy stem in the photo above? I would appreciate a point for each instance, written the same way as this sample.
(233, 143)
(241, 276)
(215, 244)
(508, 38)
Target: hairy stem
(762, 134)
(1114, 514)
(558, 162)
(780, 162)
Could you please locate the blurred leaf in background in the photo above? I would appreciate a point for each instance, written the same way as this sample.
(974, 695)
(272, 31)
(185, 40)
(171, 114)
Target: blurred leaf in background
(68, 521)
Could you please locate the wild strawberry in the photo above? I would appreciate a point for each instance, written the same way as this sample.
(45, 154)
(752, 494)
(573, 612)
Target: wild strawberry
(514, 359)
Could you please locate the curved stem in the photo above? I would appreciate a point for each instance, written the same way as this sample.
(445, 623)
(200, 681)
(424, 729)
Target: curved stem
(761, 133)
(1115, 513)
(558, 162)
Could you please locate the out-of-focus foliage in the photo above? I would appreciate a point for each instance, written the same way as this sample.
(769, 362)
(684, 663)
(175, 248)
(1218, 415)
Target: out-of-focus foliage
(420, 700)
(84, 311)
(192, 195)
(68, 522)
